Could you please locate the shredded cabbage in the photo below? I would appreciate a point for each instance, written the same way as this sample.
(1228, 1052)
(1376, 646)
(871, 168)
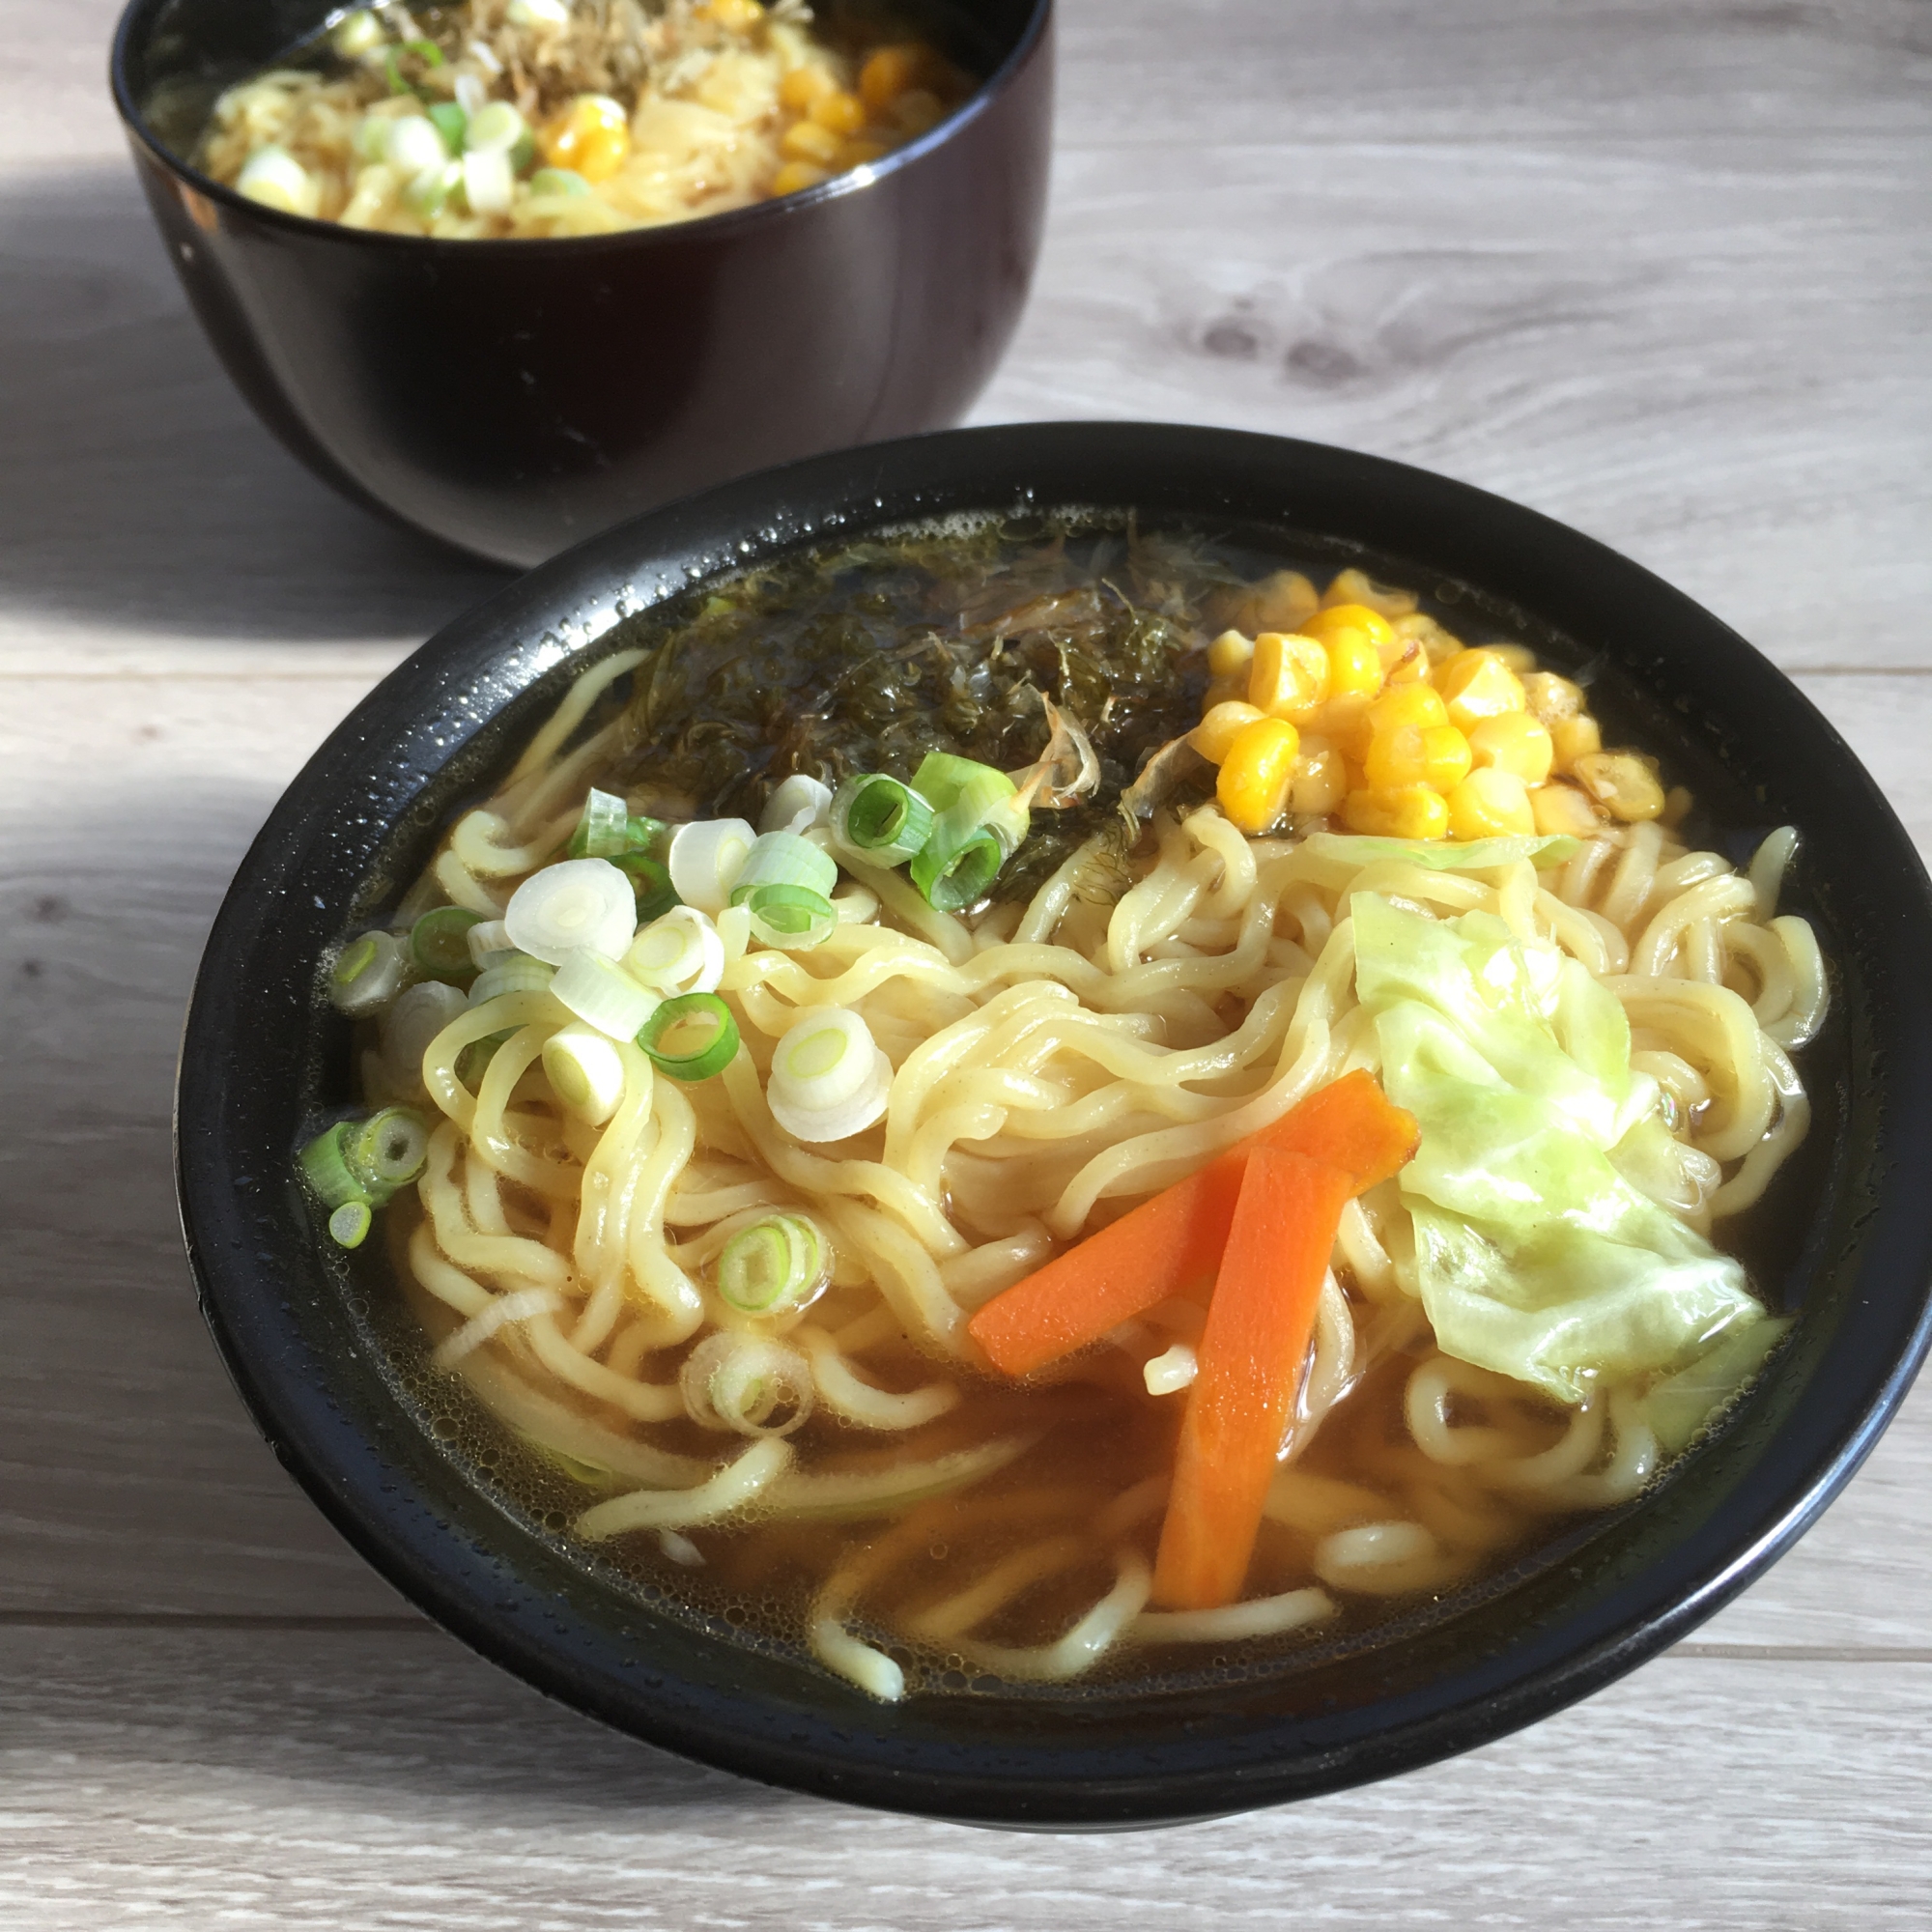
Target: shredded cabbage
(1536, 1256)
(1443, 855)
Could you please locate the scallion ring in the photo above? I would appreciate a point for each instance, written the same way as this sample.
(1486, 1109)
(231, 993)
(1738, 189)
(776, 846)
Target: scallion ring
(775, 1266)
(880, 819)
(705, 859)
(604, 830)
(575, 902)
(793, 918)
(510, 973)
(690, 1037)
(680, 952)
(440, 943)
(747, 1384)
(326, 1167)
(949, 881)
(349, 1223)
(389, 1150)
(367, 974)
(650, 881)
(601, 994)
(796, 804)
(942, 776)
(785, 859)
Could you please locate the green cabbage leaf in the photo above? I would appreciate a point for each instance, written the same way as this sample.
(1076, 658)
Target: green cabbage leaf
(1442, 855)
(1536, 1256)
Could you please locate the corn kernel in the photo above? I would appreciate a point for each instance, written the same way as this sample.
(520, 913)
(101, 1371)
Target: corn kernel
(807, 141)
(1412, 811)
(1327, 622)
(1354, 666)
(888, 73)
(1574, 738)
(1437, 642)
(1344, 721)
(1476, 685)
(1520, 658)
(1220, 725)
(1228, 653)
(1320, 780)
(916, 109)
(1357, 586)
(1280, 602)
(795, 177)
(591, 136)
(1622, 783)
(1514, 742)
(1562, 811)
(1256, 773)
(804, 87)
(1489, 803)
(1416, 704)
(861, 153)
(1289, 675)
(736, 14)
(841, 112)
(1435, 755)
(1552, 698)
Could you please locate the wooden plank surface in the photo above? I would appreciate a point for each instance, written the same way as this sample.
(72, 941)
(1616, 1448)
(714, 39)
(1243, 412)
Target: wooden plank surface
(1659, 271)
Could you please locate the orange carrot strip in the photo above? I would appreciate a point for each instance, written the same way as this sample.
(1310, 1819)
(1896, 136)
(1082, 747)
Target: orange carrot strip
(1251, 1356)
(1169, 1243)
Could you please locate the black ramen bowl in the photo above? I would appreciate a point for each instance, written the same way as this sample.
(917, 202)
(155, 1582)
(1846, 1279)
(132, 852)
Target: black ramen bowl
(514, 397)
(312, 1336)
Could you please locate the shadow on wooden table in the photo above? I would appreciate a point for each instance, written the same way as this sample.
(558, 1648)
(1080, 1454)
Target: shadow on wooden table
(138, 487)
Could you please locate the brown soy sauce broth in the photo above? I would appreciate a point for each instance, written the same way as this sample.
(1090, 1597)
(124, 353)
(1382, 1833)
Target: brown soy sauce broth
(1100, 1433)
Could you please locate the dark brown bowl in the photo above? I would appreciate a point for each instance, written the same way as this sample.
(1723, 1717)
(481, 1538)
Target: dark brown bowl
(513, 397)
(307, 1331)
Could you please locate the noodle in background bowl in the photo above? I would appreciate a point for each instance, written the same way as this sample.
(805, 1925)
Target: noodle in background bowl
(512, 397)
(1845, 1240)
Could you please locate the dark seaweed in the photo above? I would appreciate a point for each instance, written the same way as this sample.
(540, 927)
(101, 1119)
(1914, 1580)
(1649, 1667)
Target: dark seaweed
(866, 657)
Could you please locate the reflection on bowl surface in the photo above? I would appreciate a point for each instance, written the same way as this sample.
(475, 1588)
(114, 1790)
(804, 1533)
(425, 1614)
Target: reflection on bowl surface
(512, 401)
(333, 1362)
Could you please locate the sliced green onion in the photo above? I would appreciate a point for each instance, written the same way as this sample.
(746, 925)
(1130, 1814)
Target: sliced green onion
(429, 192)
(440, 942)
(785, 859)
(585, 1072)
(489, 185)
(690, 1037)
(537, 13)
(941, 776)
(349, 1223)
(426, 51)
(275, 178)
(793, 918)
(880, 819)
(356, 33)
(511, 973)
(413, 147)
(486, 940)
(575, 902)
(680, 952)
(416, 1019)
(775, 1266)
(387, 1151)
(473, 1062)
(371, 139)
(367, 974)
(748, 1383)
(325, 1167)
(497, 127)
(951, 881)
(798, 804)
(829, 1078)
(600, 993)
(558, 180)
(706, 857)
(524, 153)
(608, 829)
(650, 881)
(450, 122)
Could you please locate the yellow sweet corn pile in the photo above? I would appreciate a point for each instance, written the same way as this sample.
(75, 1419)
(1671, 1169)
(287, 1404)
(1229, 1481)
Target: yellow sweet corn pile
(834, 128)
(1352, 703)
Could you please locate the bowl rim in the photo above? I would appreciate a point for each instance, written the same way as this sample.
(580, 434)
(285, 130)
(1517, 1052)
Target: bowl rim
(726, 224)
(1808, 1461)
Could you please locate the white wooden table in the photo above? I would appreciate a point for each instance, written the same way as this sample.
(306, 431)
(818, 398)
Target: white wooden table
(1657, 267)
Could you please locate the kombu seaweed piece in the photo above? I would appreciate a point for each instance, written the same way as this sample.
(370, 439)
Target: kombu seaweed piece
(868, 656)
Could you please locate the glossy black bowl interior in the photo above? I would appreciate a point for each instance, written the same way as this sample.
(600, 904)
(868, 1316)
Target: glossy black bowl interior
(1849, 1245)
(513, 397)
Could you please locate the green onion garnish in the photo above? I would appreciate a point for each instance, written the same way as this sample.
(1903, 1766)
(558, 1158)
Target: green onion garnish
(558, 180)
(386, 1152)
(793, 918)
(951, 881)
(690, 1037)
(349, 1223)
(440, 943)
(784, 859)
(775, 1266)
(426, 51)
(650, 880)
(604, 830)
(325, 1169)
(941, 776)
(450, 122)
(880, 817)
